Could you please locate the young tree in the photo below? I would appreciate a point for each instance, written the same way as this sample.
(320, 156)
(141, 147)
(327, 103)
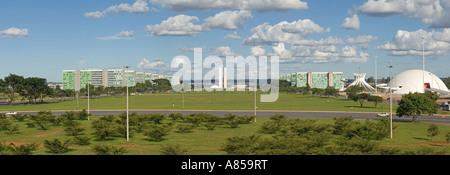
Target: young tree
(353, 91)
(432, 131)
(416, 104)
(361, 98)
(375, 100)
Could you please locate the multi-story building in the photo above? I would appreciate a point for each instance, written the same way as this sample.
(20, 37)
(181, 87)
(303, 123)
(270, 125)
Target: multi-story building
(315, 79)
(78, 79)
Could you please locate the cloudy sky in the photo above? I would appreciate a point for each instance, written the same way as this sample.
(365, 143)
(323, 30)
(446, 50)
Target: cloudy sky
(42, 38)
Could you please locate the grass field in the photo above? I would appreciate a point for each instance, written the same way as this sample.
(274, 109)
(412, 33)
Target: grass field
(207, 101)
(407, 136)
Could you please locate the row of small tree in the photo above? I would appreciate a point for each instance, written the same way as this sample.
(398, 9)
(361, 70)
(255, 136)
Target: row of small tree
(289, 136)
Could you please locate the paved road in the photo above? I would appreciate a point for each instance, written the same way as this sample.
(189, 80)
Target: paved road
(294, 114)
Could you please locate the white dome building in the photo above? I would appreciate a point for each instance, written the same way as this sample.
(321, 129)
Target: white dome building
(411, 81)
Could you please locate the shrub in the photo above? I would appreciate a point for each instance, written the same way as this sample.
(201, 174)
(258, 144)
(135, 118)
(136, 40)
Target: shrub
(195, 119)
(371, 130)
(246, 119)
(82, 115)
(232, 120)
(157, 118)
(82, 140)
(4, 124)
(104, 128)
(269, 128)
(157, 133)
(57, 147)
(185, 128)
(432, 131)
(210, 125)
(103, 149)
(173, 150)
(275, 123)
(21, 117)
(26, 149)
(175, 117)
(11, 129)
(341, 123)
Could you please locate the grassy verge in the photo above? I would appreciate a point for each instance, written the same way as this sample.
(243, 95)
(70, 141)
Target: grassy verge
(407, 136)
(207, 101)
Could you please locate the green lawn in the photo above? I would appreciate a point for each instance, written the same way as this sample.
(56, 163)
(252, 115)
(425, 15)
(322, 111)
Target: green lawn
(207, 101)
(407, 136)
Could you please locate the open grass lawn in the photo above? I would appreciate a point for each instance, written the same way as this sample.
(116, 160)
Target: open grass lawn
(407, 136)
(206, 101)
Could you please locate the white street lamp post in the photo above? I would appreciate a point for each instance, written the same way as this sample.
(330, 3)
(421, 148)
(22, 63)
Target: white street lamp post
(88, 87)
(390, 98)
(128, 127)
(423, 63)
(256, 88)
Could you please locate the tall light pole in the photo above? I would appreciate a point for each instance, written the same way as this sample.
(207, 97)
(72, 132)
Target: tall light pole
(376, 75)
(128, 126)
(256, 88)
(88, 87)
(390, 98)
(423, 64)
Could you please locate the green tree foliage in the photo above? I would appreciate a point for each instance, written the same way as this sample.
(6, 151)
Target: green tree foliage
(43, 120)
(375, 100)
(57, 147)
(308, 137)
(12, 149)
(104, 149)
(331, 91)
(361, 98)
(161, 85)
(34, 88)
(173, 149)
(433, 131)
(104, 128)
(353, 91)
(417, 104)
(14, 85)
(157, 133)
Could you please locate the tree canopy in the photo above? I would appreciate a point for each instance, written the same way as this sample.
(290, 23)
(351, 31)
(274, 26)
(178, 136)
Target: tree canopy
(417, 104)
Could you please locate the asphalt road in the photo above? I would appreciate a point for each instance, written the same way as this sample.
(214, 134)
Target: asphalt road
(438, 119)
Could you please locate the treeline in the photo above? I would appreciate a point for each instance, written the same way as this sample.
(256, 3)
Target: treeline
(35, 89)
(32, 88)
(285, 87)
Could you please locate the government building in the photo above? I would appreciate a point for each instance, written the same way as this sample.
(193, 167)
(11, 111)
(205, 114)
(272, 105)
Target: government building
(78, 79)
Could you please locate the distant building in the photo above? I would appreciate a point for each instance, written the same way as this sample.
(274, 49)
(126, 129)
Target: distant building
(315, 79)
(78, 79)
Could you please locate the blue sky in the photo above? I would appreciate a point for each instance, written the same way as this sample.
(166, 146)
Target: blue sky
(42, 38)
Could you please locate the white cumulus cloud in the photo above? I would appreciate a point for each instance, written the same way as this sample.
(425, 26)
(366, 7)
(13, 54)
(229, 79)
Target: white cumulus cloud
(224, 51)
(351, 23)
(410, 43)
(233, 35)
(180, 25)
(208, 5)
(283, 32)
(228, 20)
(14, 33)
(139, 6)
(257, 51)
(433, 12)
